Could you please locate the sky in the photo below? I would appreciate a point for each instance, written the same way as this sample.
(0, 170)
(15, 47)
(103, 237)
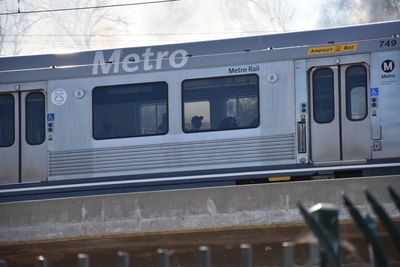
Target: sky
(177, 21)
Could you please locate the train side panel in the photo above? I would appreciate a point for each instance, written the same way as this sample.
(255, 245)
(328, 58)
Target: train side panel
(385, 104)
(74, 153)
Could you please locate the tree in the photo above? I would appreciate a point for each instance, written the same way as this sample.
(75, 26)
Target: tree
(345, 12)
(263, 15)
(14, 27)
(385, 9)
(77, 29)
(85, 27)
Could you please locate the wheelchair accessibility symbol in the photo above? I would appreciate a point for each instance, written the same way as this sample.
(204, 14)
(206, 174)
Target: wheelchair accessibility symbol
(374, 91)
(50, 116)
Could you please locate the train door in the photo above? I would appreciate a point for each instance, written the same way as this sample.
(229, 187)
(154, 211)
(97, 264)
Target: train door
(23, 147)
(340, 128)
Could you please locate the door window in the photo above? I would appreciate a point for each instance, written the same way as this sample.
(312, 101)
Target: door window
(323, 95)
(7, 130)
(356, 93)
(35, 118)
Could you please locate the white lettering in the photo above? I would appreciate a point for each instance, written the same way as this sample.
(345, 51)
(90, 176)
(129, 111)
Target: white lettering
(387, 76)
(100, 62)
(388, 66)
(160, 57)
(174, 55)
(146, 64)
(130, 59)
(133, 62)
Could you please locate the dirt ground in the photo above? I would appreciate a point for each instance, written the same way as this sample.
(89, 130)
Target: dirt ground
(183, 248)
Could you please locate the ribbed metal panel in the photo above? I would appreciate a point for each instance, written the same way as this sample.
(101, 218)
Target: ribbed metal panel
(174, 156)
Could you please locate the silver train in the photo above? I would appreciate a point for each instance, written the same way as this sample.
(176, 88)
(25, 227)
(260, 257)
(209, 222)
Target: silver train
(291, 104)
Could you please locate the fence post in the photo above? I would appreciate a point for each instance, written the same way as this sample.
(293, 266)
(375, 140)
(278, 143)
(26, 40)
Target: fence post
(327, 215)
(163, 255)
(395, 197)
(123, 259)
(83, 260)
(247, 255)
(288, 254)
(41, 261)
(385, 219)
(205, 256)
(367, 227)
(314, 251)
(323, 222)
(3, 263)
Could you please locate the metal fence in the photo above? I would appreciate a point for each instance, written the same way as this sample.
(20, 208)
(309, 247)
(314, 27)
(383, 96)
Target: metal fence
(323, 221)
(163, 258)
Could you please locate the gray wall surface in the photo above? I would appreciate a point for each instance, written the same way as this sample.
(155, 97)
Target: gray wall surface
(185, 210)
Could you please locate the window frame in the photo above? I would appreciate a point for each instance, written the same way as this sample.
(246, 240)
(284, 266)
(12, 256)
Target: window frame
(13, 121)
(138, 110)
(207, 99)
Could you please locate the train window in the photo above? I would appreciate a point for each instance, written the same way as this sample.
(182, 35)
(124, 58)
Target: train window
(356, 93)
(220, 103)
(323, 95)
(35, 118)
(7, 130)
(130, 110)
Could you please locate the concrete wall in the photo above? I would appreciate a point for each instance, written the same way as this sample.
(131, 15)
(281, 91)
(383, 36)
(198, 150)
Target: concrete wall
(183, 210)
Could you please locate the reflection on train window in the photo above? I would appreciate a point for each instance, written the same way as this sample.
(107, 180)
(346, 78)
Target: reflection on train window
(35, 118)
(130, 110)
(243, 109)
(323, 96)
(197, 115)
(7, 120)
(356, 93)
(153, 118)
(221, 103)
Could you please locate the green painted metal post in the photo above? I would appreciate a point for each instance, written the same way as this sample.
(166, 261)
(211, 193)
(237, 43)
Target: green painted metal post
(205, 256)
(247, 255)
(288, 254)
(326, 215)
(83, 260)
(123, 259)
(164, 257)
(385, 219)
(367, 227)
(318, 230)
(314, 249)
(41, 261)
(395, 197)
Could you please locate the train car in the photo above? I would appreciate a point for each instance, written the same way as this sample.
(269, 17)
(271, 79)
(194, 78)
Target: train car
(301, 104)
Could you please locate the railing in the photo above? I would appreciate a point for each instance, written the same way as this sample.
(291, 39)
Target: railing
(323, 221)
(163, 258)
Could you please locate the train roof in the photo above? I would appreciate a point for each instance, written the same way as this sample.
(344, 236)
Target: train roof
(281, 46)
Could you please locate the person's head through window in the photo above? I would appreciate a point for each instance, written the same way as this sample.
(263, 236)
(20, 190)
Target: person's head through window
(196, 123)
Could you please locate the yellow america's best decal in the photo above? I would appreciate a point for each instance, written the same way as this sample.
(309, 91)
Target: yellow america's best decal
(339, 48)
